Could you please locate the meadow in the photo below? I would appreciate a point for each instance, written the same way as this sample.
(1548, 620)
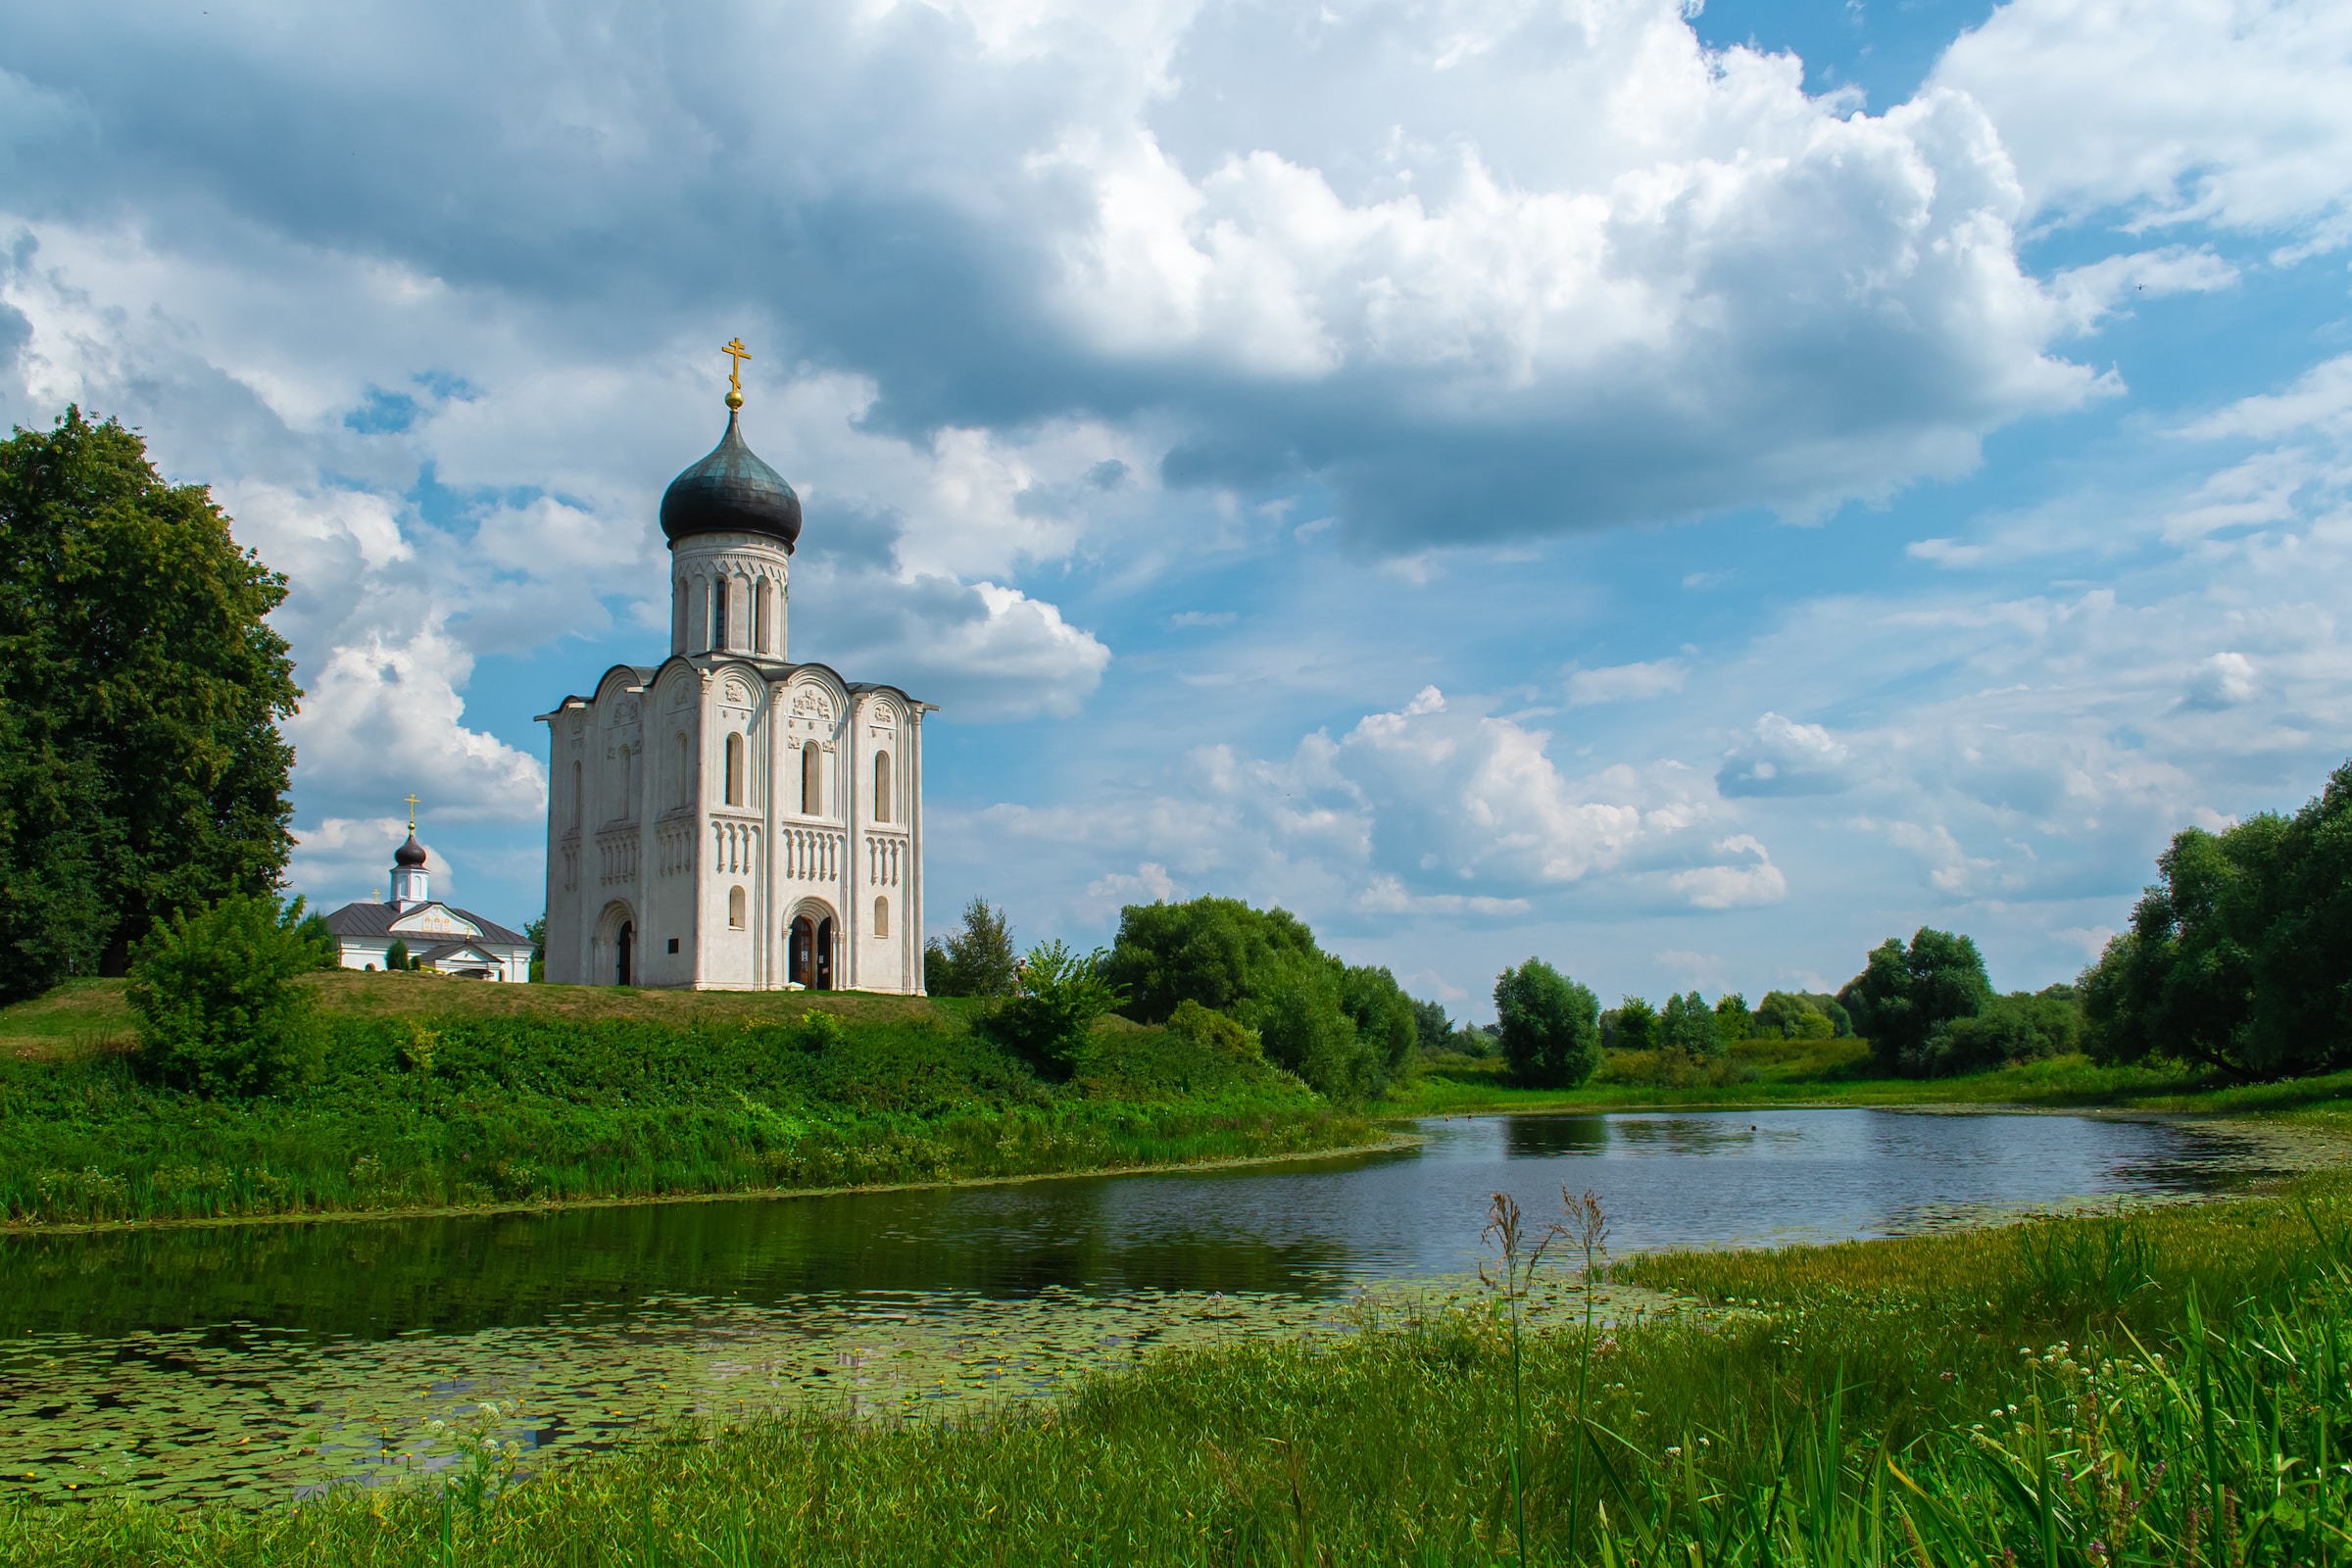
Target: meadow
(442, 1093)
(2158, 1387)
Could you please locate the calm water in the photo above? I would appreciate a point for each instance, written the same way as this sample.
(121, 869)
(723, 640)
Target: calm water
(257, 1361)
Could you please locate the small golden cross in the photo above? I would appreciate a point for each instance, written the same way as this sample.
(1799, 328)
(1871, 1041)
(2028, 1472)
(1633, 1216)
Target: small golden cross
(736, 354)
(411, 797)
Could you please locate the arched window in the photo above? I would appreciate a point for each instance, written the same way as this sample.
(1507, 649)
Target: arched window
(735, 909)
(881, 786)
(734, 770)
(812, 781)
(719, 613)
(881, 918)
(685, 770)
(677, 619)
(580, 797)
(628, 783)
(760, 617)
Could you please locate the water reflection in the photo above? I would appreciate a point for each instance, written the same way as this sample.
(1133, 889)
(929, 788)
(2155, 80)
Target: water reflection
(215, 1359)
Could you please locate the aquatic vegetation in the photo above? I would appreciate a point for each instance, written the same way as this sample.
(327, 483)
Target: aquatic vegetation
(2013, 1395)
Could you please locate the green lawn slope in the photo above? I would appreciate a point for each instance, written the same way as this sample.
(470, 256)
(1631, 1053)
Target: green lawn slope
(442, 1093)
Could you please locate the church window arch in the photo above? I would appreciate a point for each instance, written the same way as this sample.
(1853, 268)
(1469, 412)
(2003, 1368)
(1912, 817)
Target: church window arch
(734, 770)
(685, 753)
(579, 794)
(719, 613)
(812, 781)
(761, 619)
(881, 786)
(677, 618)
(881, 916)
(735, 908)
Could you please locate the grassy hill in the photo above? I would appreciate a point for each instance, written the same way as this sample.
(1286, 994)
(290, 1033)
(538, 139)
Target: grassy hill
(442, 1093)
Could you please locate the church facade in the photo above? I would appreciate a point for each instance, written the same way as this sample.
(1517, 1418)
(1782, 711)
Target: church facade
(728, 819)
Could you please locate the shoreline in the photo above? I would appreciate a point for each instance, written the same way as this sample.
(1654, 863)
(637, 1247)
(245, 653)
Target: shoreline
(1394, 1144)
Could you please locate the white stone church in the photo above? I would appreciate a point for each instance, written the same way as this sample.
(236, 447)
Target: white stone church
(729, 820)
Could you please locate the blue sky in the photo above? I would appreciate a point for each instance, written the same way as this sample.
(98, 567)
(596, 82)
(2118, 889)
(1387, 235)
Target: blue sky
(1687, 495)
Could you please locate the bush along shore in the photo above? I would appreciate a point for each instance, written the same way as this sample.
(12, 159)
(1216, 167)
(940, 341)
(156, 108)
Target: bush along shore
(2162, 1387)
(485, 1107)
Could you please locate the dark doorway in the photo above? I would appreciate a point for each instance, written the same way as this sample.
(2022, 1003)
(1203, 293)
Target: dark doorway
(797, 966)
(627, 945)
(824, 955)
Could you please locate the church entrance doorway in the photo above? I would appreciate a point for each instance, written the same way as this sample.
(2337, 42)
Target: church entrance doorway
(811, 960)
(627, 944)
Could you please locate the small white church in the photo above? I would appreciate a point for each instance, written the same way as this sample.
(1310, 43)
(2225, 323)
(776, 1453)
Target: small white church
(436, 936)
(728, 819)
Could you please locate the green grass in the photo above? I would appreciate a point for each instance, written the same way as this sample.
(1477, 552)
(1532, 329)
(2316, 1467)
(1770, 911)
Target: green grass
(1836, 1072)
(2168, 1386)
(513, 1095)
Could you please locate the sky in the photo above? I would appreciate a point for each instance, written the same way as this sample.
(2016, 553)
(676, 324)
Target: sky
(1687, 492)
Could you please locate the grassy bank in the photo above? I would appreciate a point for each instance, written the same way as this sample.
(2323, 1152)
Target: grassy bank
(441, 1093)
(1837, 1072)
(2170, 1387)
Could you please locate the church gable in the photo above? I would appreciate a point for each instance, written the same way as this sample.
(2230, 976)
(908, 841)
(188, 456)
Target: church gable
(434, 919)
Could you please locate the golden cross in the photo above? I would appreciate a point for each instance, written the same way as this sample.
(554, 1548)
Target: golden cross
(736, 354)
(411, 797)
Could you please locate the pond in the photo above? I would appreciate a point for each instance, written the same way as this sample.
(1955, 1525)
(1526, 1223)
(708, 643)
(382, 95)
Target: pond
(266, 1361)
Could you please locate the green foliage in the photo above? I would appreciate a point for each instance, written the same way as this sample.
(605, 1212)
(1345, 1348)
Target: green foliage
(1212, 1030)
(396, 957)
(1433, 1031)
(1637, 1025)
(141, 770)
(219, 1011)
(1688, 1024)
(1057, 997)
(1903, 995)
(1217, 951)
(316, 933)
(1551, 1026)
(2241, 959)
(977, 959)
(1348, 1032)
(464, 1108)
(1732, 1021)
(1795, 1015)
(2022, 1026)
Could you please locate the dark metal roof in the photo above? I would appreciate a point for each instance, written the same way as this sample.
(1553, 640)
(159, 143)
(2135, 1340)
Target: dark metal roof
(731, 491)
(410, 853)
(376, 921)
(436, 954)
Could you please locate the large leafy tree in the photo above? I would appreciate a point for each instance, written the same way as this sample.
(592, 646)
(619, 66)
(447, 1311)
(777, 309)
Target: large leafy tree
(1903, 995)
(1550, 1025)
(2240, 958)
(141, 769)
(1348, 1032)
(977, 959)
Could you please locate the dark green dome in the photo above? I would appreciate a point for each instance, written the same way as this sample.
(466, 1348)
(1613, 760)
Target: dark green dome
(731, 491)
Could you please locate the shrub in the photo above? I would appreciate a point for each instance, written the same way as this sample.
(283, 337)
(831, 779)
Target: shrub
(1047, 1019)
(397, 955)
(1206, 1027)
(1550, 1025)
(977, 959)
(219, 1011)
(2022, 1026)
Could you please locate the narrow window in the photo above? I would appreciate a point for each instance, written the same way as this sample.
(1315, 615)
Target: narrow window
(685, 770)
(881, 918)
(734, 770)
(759, 598)
(735, 909)
(812, 779)
(677, 619)
(580, 797)
(881, 786)
(719, 613)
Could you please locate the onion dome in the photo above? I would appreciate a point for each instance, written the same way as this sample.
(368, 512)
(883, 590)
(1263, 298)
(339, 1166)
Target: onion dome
(410, 853)
(731, 491)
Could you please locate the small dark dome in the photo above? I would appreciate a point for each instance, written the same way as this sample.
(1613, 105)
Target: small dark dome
(731, 491)
(410, 853)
